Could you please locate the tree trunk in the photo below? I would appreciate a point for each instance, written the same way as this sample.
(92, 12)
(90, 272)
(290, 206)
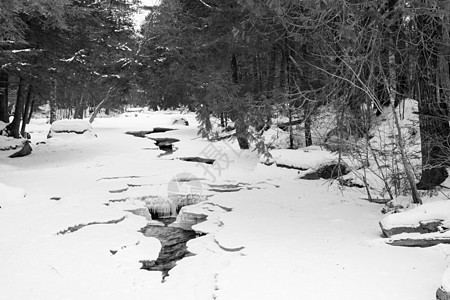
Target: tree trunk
(30, 113)
(222, 120)
(99, 106)
(79, 108)
(390, 83)
(4, 114)
(271, 72)
(14, 126)
(433, 110)
(234, 69)
(291, 129)
(240, 124)
(53, 100)
(308, 136)
(401, 61)
(26, 111)
(382, 71)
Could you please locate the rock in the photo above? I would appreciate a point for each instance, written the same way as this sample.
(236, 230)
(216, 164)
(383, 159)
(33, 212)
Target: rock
(208, 161)
(441, 294)
(180, 121)
(64, 127)
(310, 176)
(10, 143)
(418, 241)
(422, 227)
(165, 144)
(164, 141)
(332, 171)
(26, 150)
(349, 182)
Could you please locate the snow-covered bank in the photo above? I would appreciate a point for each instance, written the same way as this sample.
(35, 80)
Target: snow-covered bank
(273, 237)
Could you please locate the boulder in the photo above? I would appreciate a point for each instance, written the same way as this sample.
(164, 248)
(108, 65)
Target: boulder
(26, 150)
(421, 227)
(329, 171)
(165, 144)
(180, 121)
(420, 240)
(64, 127)
(427, 218)
(442, 294)
(332, 171)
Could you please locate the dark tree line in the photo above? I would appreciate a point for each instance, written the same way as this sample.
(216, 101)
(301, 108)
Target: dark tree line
(70, 53)
(243, 60)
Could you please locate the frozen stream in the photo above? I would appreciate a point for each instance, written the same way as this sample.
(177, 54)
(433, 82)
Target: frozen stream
(267, 234)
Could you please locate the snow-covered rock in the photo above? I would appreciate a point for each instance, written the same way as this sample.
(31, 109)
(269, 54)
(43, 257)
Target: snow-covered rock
(443, 292)
(429, 217)
(303, 159)
(180, 121)
(313, 162)
(11, 147)
(64, 127)
(10, 143)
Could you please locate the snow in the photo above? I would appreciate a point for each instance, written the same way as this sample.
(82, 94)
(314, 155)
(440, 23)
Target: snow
(278, 237)
(446, 280)
(10, 195)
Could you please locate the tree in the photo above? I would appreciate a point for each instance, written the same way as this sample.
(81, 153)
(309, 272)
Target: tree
(16, 51)
(431, 93)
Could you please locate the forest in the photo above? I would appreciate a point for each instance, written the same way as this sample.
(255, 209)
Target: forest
(235, 148)
(239, 61)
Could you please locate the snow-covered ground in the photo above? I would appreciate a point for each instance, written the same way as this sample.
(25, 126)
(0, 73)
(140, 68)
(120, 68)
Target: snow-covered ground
(62, 236)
